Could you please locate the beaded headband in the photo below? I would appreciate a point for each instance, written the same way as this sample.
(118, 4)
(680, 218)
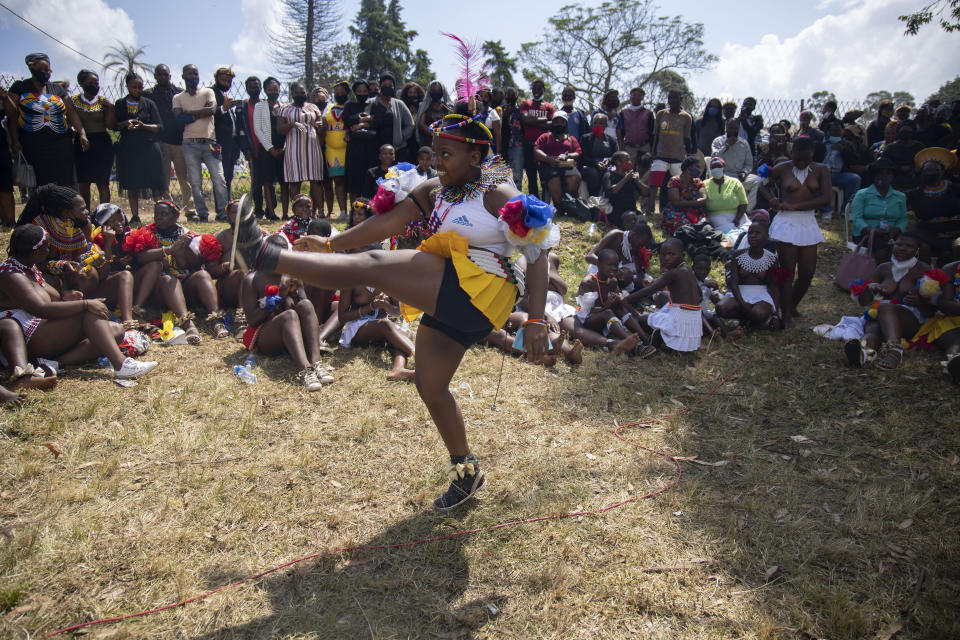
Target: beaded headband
(357, 204)
(169, 204)
(302, 196)
(43, 236)
(440, 130)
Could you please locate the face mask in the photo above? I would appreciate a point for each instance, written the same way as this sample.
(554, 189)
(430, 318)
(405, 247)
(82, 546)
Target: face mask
(833, 139)
(613, 104)
(900, 269)
(495, 102)
(627, 166)
(694, 173)
(321, 105)
(192, 83)
(362, 97)
(931, 179)
(273, 96)
(882, 182)
(537, 97)
(340, 99)
(436, 96)
(598, 130)
(559, 129)
(373, 94)
(299, 100)
(712, 111)
(388, 91)
(41, 76)
(224, 87)
(716, 172)
(91, 90)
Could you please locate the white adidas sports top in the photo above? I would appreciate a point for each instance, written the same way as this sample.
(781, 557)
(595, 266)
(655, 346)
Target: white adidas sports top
(471, 220)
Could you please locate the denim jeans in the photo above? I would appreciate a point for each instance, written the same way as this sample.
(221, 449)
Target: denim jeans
(194, 153)
(515, 159)
(849, 182)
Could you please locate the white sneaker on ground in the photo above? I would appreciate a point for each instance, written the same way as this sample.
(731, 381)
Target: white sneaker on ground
(133, 369)
(310, 381)
(321, 371)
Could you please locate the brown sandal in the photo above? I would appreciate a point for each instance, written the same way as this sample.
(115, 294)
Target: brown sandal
(890, 356)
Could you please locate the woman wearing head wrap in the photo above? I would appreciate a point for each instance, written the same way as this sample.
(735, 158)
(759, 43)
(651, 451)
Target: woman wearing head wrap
(361, 139)
(44, 109)
(434, 106)
(98, 116)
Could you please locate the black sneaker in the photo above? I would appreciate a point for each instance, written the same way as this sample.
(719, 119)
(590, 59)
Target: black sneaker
(854, 352)
(462, 488)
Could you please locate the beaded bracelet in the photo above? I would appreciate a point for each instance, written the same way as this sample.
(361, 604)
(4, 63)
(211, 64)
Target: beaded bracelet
(329, 246)
(534, 321)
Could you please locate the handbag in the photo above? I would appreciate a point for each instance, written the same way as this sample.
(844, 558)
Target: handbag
(856, 265)
(23, 173)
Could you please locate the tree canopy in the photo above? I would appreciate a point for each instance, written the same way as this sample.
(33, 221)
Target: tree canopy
(123, 59)
(502, 65)
(614, 45)
(383, 40)
(948, 92)
(947, 13)
(308, 28)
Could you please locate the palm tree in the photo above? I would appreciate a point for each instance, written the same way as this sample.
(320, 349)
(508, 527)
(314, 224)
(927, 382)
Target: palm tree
(123, 59)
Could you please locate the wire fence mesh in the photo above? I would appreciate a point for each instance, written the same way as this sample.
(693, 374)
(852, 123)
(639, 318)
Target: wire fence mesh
(772, 109)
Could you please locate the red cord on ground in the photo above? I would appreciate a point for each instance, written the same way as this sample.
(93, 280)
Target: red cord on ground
(459, 534)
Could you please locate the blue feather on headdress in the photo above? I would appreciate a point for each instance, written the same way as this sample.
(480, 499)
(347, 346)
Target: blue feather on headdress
(473, 77)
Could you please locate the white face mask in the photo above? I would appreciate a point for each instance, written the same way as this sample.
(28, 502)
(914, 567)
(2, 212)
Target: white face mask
(900, 269)
(716, 172)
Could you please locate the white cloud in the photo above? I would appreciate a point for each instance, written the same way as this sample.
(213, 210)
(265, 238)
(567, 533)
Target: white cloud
(89, 26)
(252, 44)
(858, 49)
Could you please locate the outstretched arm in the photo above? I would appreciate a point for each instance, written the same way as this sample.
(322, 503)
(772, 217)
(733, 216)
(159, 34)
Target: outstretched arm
(659, 284)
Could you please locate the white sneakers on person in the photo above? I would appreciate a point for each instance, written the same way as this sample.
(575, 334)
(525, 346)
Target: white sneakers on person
(133, 369)
(310, 380)
(321, 371)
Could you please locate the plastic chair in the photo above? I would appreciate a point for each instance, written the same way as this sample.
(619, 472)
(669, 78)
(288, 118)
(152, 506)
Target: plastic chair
(837, 198)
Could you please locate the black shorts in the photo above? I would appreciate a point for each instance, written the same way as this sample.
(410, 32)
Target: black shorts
(455, 316)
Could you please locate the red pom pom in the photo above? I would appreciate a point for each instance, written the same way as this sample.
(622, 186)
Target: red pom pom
(643, 254)
(513, 213)
(937, 274)
(383, 201)
(210, 248)
(141, 239)
(272, 290)
(857, 287)
(98, 239)
(779, 275)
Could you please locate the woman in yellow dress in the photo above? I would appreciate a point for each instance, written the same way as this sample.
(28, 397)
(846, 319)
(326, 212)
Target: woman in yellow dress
(336, 149)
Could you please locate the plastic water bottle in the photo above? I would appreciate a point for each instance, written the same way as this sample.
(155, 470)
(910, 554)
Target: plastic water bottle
(245, 371)
(105, 363)
(592, 231)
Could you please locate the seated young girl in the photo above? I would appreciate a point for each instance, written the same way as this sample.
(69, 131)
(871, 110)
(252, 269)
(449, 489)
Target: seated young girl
(897, 308)
(74, 261)
(709, 292)
(365, 315)
(280, 319)
(943, 330)
(678, 323)
(297, 225)
(601, 308)
(183, 279)
(66, 328)
(110, 230)
(214, 250)
(633, 248)
(753, 290)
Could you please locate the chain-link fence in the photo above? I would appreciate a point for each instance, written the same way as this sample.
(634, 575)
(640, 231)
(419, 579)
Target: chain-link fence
(772, 109)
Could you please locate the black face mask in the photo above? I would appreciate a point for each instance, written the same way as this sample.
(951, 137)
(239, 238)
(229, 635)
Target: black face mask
(91, 90)
(436, 96)
(41, 76)
(273, 96)
(191, 83)
(224, 87)
(321, 105)
(494, 102)
(388, 91)
(340, 99)
(299, 100)
(559, 129)
(931, 179)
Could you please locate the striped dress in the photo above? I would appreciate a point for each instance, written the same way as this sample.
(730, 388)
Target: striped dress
(302, 156)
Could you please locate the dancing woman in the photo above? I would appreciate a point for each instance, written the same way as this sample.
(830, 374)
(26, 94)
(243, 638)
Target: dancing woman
(461, 277)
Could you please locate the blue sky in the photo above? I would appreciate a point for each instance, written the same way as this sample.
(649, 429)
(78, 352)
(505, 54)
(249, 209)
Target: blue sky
(775, 49)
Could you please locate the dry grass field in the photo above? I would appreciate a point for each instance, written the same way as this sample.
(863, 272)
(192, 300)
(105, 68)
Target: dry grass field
(822, 502)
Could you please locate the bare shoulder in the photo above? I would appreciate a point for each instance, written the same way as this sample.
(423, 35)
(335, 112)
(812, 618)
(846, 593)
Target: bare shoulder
(496, 198)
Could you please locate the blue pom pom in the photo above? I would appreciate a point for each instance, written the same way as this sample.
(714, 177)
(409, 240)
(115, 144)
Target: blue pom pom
(538, 212)
(763, 170)
(403, 166)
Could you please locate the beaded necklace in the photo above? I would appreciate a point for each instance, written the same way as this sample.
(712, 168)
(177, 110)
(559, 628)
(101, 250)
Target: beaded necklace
(756, 266)
(493, 173)
(12, 265)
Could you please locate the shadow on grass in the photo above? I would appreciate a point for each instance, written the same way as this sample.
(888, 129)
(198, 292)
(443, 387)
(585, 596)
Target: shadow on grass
(375, 593)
